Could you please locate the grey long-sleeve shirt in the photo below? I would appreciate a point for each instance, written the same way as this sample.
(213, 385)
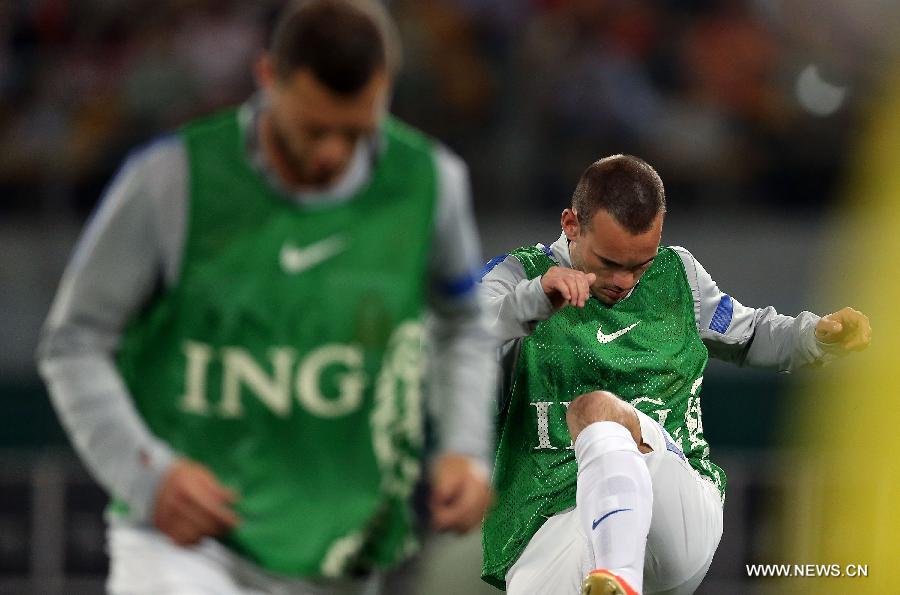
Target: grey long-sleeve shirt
(757, 337)
(131, 251)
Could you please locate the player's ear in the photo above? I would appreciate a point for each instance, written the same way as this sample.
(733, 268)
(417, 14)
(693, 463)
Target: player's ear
(264, 71)
(569, 221)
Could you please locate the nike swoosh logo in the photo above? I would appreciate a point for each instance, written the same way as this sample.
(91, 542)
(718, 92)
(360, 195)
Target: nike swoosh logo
(608, 514)
(296, 260)
(603, 338)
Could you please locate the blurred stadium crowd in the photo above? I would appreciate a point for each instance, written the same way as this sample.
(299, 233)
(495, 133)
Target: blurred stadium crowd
(724, 96)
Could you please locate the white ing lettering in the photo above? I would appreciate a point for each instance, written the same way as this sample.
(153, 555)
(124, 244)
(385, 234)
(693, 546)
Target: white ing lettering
(696, 386)
(543, 425)
(661, 414)
(240, 370)
(693, 421)
(542, 410)
(198, 356)
(398, 408)
(351, 383)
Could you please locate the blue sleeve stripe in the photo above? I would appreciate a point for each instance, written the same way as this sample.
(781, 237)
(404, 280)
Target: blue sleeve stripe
(491, 264)
(547, 251)
(459, 286)
(721, 320)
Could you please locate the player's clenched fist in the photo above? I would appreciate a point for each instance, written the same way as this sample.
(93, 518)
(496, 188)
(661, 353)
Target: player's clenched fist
(191, 504)
(847, 328)
(460, 493)
(567, 287)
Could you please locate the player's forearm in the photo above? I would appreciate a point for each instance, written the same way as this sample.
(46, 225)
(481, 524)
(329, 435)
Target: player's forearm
(461, 373)
(784, 343)
(105, 429)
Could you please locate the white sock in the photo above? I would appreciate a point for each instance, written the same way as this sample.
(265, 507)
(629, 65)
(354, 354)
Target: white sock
(614, 499)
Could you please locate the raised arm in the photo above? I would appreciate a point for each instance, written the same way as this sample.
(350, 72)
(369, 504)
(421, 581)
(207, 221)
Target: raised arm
(763, 338)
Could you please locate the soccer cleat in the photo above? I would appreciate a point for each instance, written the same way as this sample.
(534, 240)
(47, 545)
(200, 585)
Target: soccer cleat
(604, 582)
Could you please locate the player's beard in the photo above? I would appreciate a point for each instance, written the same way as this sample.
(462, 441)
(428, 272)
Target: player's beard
(295, 163)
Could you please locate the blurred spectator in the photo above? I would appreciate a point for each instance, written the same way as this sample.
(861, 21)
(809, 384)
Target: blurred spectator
(704, 89)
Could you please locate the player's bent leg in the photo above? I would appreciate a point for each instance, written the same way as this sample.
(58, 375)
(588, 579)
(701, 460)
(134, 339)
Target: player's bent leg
(614, 499)
(686, 511)
(614, 494)
(144, 561)
(687, 518)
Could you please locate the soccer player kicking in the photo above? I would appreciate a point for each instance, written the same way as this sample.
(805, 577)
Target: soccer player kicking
(603, 476)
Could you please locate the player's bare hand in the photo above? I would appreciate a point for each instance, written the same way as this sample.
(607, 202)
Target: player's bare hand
(460, 493)
(847, 328)
(567, 287)
(191, 504)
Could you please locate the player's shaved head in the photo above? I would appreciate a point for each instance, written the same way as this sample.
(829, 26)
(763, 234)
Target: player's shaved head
(624, 186)
(342, 42)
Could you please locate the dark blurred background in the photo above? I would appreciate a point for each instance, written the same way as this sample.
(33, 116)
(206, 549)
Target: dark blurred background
(749, 109)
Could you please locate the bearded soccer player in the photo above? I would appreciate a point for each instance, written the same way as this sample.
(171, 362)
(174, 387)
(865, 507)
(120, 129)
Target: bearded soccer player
(235, 345)
(604, 479)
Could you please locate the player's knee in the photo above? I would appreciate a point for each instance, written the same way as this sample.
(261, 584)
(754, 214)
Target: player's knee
(597, 406)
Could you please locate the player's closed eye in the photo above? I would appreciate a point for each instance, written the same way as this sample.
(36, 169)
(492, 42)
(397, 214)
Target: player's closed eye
(614, 266)
(315, 133)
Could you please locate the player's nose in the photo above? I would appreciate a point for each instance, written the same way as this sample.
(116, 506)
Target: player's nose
(623, 279)
(333, 151)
